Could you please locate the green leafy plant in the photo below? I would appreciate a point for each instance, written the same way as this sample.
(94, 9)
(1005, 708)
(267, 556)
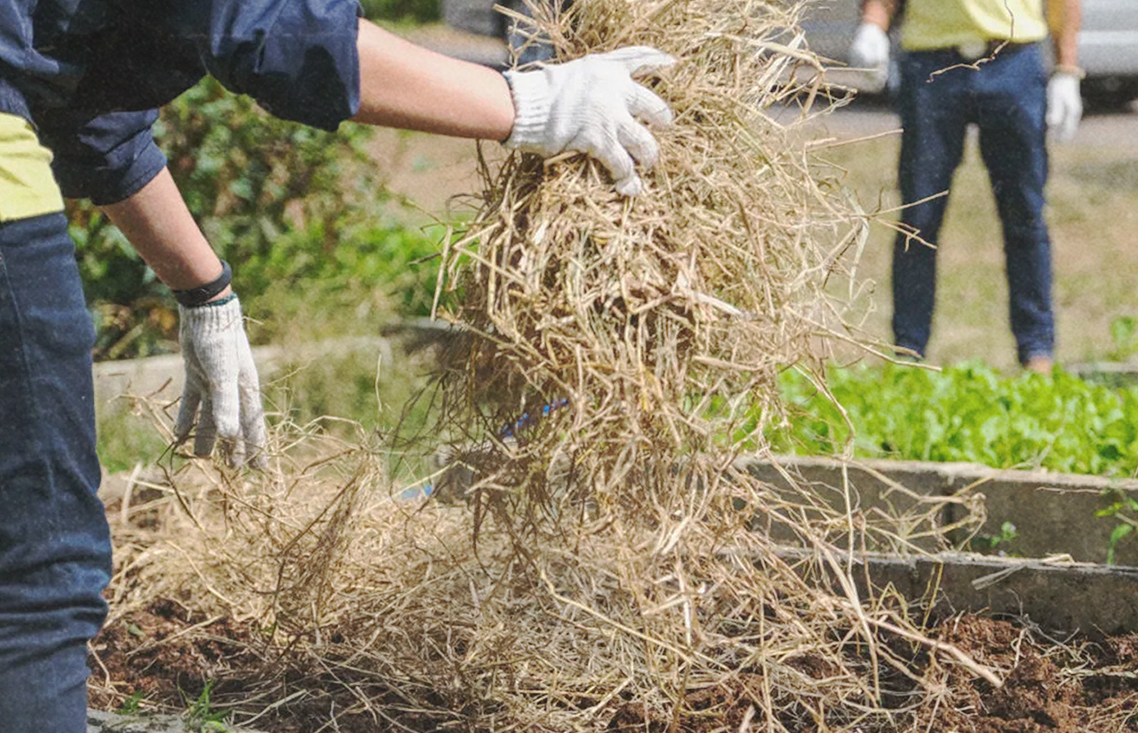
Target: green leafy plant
(971, 413)
(201, 717)
(132, 704)
(1123, 509)
(1124, 336)
(967, 412)
(382, 266)
(250, 178)
(1000, 542)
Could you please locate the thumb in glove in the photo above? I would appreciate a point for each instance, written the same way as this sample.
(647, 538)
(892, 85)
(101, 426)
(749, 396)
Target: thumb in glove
(591, 105)
(221, 380)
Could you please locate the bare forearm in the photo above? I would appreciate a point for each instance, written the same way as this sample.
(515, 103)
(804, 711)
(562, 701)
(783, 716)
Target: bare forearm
(409, 87)
(159, 226)
(879, 12)
(1065, 19)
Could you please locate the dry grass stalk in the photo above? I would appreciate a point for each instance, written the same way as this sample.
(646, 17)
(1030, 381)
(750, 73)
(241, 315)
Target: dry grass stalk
(608, 565)
(375, 610)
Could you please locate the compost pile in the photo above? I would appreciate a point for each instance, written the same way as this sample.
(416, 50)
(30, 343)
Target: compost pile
(591, 555)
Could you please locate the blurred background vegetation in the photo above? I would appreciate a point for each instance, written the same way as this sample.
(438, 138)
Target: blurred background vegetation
(303, 216)
(419, 11)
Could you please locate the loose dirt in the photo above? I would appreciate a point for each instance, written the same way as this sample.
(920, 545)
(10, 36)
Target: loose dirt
(166, 657)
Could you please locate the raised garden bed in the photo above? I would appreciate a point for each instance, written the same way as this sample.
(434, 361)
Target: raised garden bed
(1052, 572)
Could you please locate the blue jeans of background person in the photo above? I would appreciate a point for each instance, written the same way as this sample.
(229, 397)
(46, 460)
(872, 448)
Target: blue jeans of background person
(55, 552)
(1006, 98)
(518, 40)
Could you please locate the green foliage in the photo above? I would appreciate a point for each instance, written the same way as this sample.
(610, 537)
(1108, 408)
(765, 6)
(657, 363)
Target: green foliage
(966, 413)
(387, 263)
(999, 542)
(280, 201)
(201, 716)
(971, 413)
(132, 705)
(133, 312)
(419, 11)
(250, 178)
(1124, 510)
(1124, 335)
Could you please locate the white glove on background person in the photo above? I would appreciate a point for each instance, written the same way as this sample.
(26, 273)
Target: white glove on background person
(589, 105)
(1064, 105)
(870, 51)
(222, 380)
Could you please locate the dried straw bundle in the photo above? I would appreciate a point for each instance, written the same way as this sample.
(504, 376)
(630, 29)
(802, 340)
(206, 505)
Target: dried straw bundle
(347, 606)
(658, 323)
(609, 567)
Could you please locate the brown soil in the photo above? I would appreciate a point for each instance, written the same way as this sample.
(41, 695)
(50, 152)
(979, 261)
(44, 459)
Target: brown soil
(1049, 686)
(162, 654)
(165, 656)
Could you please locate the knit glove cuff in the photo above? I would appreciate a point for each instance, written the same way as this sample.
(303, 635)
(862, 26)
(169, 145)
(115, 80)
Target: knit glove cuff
(530, 92)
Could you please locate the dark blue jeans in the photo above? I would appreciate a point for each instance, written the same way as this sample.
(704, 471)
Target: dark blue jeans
(55, 552)
(1006, 98)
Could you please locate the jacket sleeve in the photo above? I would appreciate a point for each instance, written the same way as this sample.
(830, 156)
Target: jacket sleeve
(297, 58)
(106, 157)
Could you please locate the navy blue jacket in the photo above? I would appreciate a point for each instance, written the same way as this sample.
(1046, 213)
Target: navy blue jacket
(90, 74)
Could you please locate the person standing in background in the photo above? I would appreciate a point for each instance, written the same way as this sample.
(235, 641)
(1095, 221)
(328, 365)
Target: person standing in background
(978, 62)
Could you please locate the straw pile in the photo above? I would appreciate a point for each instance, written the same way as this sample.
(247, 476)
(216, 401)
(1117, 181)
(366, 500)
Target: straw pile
(658, 325)
(600, 562)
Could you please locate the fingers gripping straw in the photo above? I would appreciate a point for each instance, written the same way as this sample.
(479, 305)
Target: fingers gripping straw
(592, 105)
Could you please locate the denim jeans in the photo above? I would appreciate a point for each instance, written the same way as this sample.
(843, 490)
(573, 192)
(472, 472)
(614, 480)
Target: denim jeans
(517, 37)
(1006, 98)
(55, 552)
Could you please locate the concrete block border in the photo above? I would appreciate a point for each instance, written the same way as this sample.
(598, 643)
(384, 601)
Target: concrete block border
(1059, 582)
(1053, 513)
(1063, 596)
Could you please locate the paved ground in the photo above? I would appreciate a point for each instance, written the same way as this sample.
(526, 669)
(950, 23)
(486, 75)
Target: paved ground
(1099, 128)
(474, 47)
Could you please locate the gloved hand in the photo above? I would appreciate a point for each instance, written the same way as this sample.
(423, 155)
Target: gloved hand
(1064, 105)
(222, 379)
(870, 50)
(589, 105)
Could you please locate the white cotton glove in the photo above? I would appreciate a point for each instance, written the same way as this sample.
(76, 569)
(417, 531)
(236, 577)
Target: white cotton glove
(222, 379)
(870, 51)
(1064, 105)
(589, 105)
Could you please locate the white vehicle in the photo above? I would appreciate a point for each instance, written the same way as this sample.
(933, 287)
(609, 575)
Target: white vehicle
(1108, 43)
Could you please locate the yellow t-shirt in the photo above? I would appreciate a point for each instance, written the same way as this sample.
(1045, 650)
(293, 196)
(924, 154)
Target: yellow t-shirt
(930, 24)
(27, 187)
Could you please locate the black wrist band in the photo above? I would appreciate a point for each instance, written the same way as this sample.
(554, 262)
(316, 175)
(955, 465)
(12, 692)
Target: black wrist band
(200, 295)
